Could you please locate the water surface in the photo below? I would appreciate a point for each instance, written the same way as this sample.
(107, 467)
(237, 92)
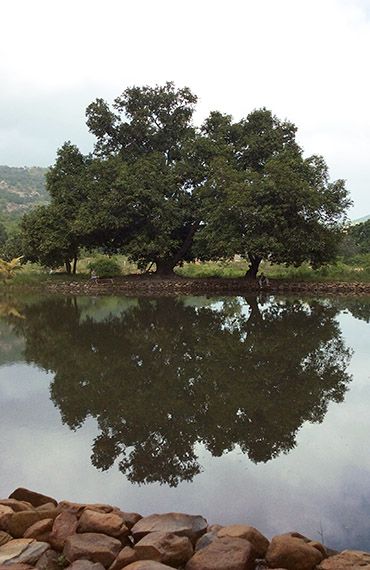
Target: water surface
(248, 409)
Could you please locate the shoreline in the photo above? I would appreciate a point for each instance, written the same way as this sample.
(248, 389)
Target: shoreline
(138, 285)
(39, 532)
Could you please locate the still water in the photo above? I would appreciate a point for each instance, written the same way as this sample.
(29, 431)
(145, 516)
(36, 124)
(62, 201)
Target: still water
(243, 409)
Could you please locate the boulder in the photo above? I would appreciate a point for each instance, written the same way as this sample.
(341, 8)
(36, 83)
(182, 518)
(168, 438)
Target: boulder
(17, 506)
(18, 523)
(128, 518)
(259, 542)
(13, 548)
(85, 565)
(64, 526)
(92, 546)
(164, 547)
(49, 561)
(45, 507)
(40, 530)
(347, 559)
(17, 567)
(36, 499)
(78, 508)
(31, 554)
(292, 553)
(5, 515)
(4, 537)
(192, 526)
(224, 554)
(205, 540)
(147, 565)
(125, 557)
(107, 523)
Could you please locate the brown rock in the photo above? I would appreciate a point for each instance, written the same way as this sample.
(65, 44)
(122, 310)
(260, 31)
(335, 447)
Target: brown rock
(13, 548)
(49, 561)
(78, 508)
(17, 506)
(224, 554)
(31, 554)
(259, 542)
(292, 553)
(164, 547)
(4, 537)
(214, 528)
(130, 519)
(36, 499)
(85, 565)
(5, 515)
(17, 567)
(205, 540)
(92, 546)
(20, 522)
(45, 507)
(40, 530)
(106, 523)
(347, 559)
(147, 565)
(125, 557)
(192, 526)
(64, 526)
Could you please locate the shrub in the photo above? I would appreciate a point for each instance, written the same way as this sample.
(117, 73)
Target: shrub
(105, 267)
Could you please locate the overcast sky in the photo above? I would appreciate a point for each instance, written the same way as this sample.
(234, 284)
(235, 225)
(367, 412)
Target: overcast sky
(306, 60)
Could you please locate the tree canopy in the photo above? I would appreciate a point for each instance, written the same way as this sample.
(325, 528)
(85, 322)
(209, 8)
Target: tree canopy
(162, 190)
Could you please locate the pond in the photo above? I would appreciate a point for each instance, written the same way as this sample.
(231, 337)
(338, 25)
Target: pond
(243, 409)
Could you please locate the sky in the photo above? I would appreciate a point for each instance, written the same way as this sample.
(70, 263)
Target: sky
(306, 60)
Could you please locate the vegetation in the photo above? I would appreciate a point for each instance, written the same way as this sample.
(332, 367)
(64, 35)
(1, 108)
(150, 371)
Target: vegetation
(164, 192)
(105, 267)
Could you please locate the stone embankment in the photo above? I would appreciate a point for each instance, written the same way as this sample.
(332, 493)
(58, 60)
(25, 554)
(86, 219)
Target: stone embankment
(38, 532)
(141, 285)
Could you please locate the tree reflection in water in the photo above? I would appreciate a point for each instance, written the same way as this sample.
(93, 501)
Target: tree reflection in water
(164, 374)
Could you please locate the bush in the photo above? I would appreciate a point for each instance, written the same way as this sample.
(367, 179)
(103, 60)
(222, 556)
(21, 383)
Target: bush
(105, 267)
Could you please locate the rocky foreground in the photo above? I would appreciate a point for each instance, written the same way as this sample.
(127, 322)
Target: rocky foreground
(38, 532)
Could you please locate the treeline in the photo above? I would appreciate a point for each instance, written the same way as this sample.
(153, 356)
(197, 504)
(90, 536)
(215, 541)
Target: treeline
(163, 191)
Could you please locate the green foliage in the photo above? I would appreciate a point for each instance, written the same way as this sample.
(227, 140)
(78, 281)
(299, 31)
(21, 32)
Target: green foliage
(20, 190)
(360, 236)
(105, 267)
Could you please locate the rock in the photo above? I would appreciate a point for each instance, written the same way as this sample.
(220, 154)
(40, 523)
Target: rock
(64, 526)
(4, 537)
(85, 565)
(106, 523)
(78, 508)
(130, 519)
(92, 546)
(224, 554)
(292, 553)
(31, 554)
(214, 528)
(5, 515)
(17, 506)
(49, 561)
(192, 526)
(125, 557)
(148, 565)
(36, 499)
(19, 522)
(40, 530)
(17, 567)
(259, 542)
(13, 548)
(164, 547)
(347, 559)
(45, 507)
(205, 540)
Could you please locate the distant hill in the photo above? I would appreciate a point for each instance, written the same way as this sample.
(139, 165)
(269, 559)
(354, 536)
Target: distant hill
(360, 220)
(21, 189)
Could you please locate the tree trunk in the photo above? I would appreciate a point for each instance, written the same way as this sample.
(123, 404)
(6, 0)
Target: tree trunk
(254, 264)
(165, 267)
(68, 266)
(74, 264)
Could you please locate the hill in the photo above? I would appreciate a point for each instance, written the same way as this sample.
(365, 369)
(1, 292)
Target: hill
(21, 188)
(360, 220)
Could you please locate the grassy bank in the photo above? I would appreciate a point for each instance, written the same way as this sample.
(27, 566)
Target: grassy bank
(356, 271)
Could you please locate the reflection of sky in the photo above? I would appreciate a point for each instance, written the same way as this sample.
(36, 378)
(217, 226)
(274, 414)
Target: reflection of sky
(320, 488)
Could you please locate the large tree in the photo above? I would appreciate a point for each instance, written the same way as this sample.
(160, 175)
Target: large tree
(263, 199)
(150, 208)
